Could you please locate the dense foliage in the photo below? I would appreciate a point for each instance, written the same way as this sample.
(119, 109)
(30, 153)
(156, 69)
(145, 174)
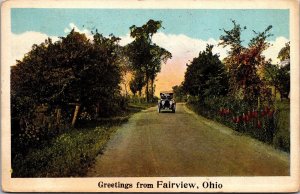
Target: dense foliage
(73, 77)
(179, 93)
(206, 76)
(243, 63)
(238, 93)
(279, 75)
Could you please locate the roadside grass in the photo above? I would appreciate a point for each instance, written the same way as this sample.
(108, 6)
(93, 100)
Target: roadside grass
(67, 155)
(71, 153)
(140, 106)
(281, 138)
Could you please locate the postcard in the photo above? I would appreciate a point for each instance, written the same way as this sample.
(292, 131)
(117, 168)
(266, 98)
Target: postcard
(150, 96)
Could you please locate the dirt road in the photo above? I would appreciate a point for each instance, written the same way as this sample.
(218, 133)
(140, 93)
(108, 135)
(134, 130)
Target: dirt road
(184, 144)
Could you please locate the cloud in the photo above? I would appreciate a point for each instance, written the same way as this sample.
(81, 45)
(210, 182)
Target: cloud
(125, 40)
(85, 31)
(273, 50)
(186, 47)
(22, 43)
(182, 47)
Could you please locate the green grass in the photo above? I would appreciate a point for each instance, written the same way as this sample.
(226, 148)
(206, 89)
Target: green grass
(71, 153)
(67, 155)
(140, 106)
(282, 136)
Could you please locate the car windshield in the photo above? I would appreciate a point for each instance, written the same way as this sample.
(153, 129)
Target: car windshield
(170, 96)
(166, 95)
(163, 96)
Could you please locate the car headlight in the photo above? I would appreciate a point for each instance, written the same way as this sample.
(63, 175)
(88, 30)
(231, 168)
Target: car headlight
(162, 102)
(171, 102)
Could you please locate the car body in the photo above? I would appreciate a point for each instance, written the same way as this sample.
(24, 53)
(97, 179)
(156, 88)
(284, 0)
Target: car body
(166, 101)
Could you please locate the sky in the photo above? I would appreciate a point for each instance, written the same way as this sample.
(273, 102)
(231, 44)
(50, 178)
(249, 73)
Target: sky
(185, 32)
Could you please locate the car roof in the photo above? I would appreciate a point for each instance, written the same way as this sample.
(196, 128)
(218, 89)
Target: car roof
(167, 92)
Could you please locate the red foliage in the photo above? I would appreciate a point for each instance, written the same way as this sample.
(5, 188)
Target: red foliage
(263, 113)
(237, 119)
(254, 114)
(258, 124)
(224, 111)
(270, 113)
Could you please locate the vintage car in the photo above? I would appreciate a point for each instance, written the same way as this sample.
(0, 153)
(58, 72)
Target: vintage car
(166, 102)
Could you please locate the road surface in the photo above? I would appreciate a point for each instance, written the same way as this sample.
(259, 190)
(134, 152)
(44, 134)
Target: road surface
(184, 144)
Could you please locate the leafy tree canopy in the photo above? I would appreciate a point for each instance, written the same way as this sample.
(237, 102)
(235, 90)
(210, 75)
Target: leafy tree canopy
(243, 63)
(145, 56)
(206, 75)
(284, 53)
(73, 69)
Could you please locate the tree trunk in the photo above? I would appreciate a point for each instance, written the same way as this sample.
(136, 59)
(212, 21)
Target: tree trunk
(152, 88)
(126, 92)
(147, 89)
(75, 115)
(280, 94)
(97, 110)
(58, 115)
(244, 89)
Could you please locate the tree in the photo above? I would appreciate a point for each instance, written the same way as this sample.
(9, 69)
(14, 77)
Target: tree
(137, 83)
(103, 78)
(95, 70)
(279, 75)
(133, 87)
(159, 55)
(284, 53)
(243, 63)
(39, 78)
(205, 72)
(125, 71)
(179, 93)
(72, 70)
(145, 56)
(284, 74)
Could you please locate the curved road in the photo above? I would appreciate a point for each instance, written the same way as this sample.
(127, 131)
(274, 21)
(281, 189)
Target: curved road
(184, 144)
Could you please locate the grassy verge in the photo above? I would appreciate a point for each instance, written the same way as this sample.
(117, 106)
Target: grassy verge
(72, 152)
(281, 137)
(134, 107)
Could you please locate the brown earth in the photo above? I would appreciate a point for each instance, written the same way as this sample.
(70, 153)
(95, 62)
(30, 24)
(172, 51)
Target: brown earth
(184, 144)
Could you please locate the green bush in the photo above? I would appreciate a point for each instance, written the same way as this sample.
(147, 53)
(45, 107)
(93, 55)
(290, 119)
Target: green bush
(60, 75)
(282, 137)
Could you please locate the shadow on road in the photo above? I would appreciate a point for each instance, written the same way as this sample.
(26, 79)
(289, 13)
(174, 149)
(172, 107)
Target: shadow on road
(167, 112)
